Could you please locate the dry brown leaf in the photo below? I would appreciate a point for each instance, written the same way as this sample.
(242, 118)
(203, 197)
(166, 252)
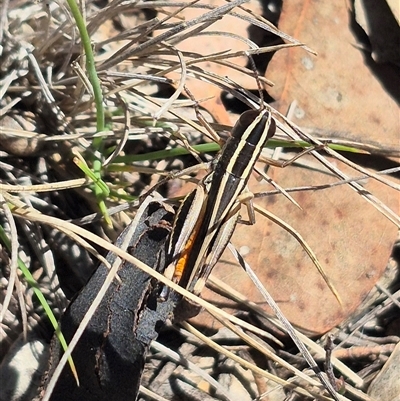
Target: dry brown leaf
(349, 236)
(337, 90)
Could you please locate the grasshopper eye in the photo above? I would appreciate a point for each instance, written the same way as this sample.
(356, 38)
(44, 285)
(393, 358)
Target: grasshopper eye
(245, 120)
(254, 127)
(249, 116)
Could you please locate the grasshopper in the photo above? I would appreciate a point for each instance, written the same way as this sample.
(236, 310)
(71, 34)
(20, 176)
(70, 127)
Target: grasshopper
(207, 217)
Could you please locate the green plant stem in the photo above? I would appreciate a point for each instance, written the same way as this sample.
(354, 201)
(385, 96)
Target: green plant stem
(34, 285)
(98, 98)
(91, 70)
(214, 147)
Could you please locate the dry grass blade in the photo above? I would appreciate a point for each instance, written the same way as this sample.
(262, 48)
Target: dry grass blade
(379, 205)
(258, 346)
(48, 115)
(304, 245)
(80, 182)
(151, 394)
(14, 260)
(179, 359)
(251, 366)
(289, 328)
(324, 186)
(319, 352)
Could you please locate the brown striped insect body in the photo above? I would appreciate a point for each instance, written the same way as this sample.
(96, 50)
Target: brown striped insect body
(213, 204)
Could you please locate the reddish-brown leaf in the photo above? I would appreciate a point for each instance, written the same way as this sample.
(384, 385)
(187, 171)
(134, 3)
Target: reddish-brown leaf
(337, 90)
(351, 239)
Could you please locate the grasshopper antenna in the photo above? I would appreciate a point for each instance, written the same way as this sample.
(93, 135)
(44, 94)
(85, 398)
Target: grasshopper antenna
(259, 86)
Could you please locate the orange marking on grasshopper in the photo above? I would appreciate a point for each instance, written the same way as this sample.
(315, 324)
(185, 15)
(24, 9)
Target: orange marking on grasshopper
(184, 255)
